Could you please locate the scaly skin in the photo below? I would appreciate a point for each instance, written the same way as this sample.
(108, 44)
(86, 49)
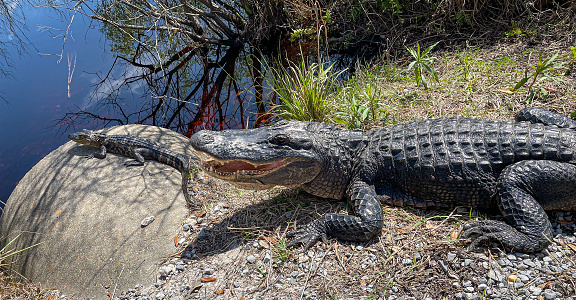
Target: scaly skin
(522, 168)
(137, 148)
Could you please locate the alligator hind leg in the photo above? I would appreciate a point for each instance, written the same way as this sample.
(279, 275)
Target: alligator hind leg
(362, 227)
(526, 189)
(546, 117)
(138, 154)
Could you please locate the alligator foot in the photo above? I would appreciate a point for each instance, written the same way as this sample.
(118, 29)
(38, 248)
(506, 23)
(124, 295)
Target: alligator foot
(495, 231)
(309, 234)
(131, 163)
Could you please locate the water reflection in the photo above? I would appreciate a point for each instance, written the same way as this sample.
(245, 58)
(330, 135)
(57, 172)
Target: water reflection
(36, 95)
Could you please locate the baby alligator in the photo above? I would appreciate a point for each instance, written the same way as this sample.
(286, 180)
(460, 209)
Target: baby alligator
(137, 148)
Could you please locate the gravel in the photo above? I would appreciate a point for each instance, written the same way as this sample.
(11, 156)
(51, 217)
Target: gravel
(255, 270)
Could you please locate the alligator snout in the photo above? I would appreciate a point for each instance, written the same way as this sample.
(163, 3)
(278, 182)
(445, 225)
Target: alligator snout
(202, 137)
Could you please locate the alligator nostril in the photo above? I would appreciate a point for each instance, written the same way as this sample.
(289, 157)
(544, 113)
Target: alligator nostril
(201, 137)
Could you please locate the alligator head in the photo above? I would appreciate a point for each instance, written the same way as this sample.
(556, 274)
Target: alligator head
(260, 158)
(87, 137)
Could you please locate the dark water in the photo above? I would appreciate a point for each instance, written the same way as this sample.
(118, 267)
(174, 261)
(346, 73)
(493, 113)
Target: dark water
(36, 95)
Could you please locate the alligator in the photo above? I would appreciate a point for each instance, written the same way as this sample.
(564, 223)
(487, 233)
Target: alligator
(521, 167)
(137, 148)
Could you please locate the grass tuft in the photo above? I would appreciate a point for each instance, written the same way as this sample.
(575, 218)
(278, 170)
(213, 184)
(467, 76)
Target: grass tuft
(305, 92)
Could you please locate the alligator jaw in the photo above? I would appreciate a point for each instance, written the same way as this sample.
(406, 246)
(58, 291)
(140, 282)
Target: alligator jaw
(247, 174)
(237, 169)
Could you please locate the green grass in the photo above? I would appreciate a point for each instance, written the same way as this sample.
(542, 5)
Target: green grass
(305, 91)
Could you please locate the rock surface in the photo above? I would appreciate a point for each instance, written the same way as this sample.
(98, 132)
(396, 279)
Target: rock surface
(87, 215)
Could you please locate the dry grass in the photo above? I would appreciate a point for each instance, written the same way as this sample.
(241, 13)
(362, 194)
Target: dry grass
(474, 81)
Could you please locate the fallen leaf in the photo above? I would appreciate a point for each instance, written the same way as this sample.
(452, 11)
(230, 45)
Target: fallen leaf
(175, 240)
(200, 256)
(269, 239)
(454, 234)
(208, 279)
(200, 214)
(242, 298)
(219, 292)
(264, 244)
(512, 277)
(546, 285)
(401, 230)
(565, 222)
(551, 90)
(571, 246)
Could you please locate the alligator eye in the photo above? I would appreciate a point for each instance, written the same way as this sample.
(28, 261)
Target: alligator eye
(280, 139)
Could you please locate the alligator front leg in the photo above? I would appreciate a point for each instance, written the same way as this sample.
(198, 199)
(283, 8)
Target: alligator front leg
(362, 227)
(100, 155)
(526, 189)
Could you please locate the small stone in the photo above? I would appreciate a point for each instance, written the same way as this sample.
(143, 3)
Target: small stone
(467, 283)
(535, 290)
(160, 296)
(359, 247)
(185, 227)
(395, 289)
(237, 284)
(451, 256)
(549, 294)
(209, 271)
(482, 287)
(203, 233)
(180, 266)
(166, 270)
(406, 261)
(251, 259)
(267, 258)
(146, 221)
(529, 263)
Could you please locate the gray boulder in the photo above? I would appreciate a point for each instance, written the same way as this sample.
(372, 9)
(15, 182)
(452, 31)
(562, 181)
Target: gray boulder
(87, 215)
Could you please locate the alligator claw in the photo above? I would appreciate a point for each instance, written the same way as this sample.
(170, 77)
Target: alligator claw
(131, 163)
(308, 234)
(494, 231)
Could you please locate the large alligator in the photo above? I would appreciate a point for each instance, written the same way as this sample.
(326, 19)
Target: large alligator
(522, 167)
(137, 148)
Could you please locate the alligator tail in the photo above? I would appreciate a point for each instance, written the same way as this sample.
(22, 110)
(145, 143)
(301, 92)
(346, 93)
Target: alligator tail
(546, 117)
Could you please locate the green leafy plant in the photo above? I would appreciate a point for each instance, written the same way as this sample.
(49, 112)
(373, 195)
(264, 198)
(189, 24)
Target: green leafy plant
(541, 69)
(304, 92)
(363, 105)
(423, 65)
(573, 56)
(356, 115)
